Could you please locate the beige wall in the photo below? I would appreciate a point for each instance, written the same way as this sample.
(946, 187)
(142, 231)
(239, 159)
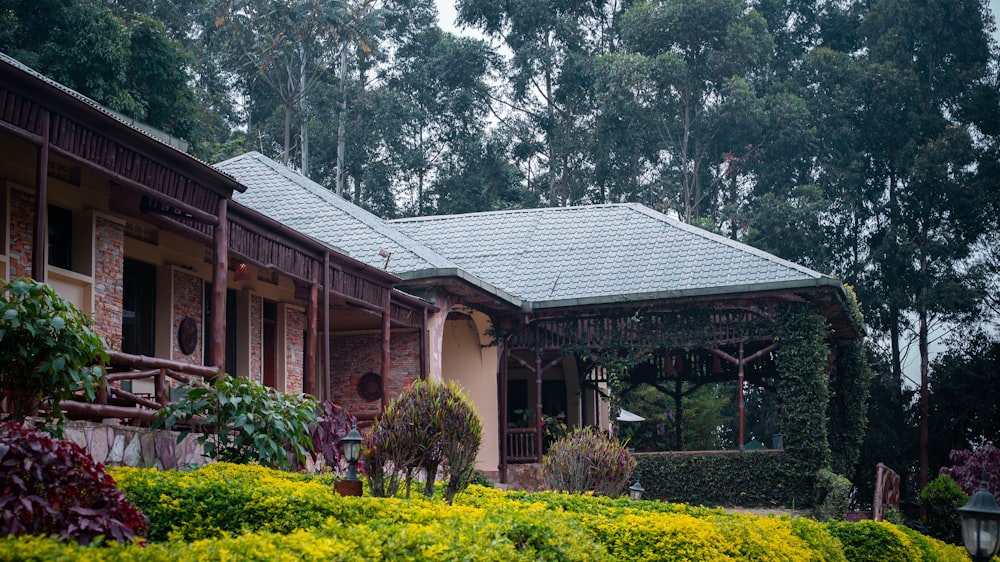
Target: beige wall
(465, 359)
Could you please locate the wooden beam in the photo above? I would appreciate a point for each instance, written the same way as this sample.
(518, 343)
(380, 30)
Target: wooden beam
(325, 390)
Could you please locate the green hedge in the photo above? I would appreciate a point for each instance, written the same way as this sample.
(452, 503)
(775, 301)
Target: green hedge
(260, 514)
(750, 479)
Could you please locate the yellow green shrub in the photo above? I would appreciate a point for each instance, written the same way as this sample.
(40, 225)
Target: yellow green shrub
(871, 541)
(661, 536)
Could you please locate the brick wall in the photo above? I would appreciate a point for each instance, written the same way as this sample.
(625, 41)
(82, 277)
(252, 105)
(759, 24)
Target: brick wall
(188, 301)
(256, 338)
(109, 247)
(22, 213)
(295, 345)
(353, 356)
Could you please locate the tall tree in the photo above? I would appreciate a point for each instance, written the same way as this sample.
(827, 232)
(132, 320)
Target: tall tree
(288, 44)
(689, 69)
(551, 44)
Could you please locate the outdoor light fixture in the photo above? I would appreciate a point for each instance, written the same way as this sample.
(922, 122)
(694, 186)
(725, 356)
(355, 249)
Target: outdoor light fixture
(352, 452)
(635, 491)
(981, 524)
(241, 272)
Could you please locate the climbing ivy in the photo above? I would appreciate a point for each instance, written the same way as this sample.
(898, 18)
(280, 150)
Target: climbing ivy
(849, 391)
(802, 385)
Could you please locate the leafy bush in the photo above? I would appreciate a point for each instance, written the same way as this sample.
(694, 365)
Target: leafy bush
(833, 496)
(48, 350)
(940, 500)
(214, 504)
(587, 460)
(222, 498)
(51, 487)
(332, 424)
(750, 478)
(871, 541)
(968, 467)
(244, 421)
(428, 425)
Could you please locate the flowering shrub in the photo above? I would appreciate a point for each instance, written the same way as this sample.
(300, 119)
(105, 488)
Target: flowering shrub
(587, 460)
(226, 511)
(50, 487)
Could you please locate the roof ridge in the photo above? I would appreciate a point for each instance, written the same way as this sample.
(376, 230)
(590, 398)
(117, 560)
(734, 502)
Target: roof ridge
(507, 212)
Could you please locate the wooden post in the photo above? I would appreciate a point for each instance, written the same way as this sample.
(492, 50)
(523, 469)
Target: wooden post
(162, 390)
(324, 393)
(424, 349)
(503, 352)
(741, 403)
(309, 366)
(538, 397)
(39, 245)
(220, 268)
(386, 347)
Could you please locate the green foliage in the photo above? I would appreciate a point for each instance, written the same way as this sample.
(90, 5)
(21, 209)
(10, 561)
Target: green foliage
(429, 425)
(745, 479)
(870, 541)
(802, 384)
(587, 460)
(55, 488)
(244, 421)
(48, 350)
(940, 499)
(225, 511)
(849, 393)
(223, 498)
(833, 496)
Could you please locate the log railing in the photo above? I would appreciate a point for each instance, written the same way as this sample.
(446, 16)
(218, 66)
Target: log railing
(114, 402)
(522, 445)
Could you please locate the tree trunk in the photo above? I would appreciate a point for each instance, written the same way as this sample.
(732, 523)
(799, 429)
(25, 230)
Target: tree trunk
(342, 126)
(304, 117)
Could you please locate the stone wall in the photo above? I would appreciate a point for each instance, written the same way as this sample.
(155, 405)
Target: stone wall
(22, 212)
(120, 445)
(353, 356)
(109, 263)
(188, 302)
(295, 347)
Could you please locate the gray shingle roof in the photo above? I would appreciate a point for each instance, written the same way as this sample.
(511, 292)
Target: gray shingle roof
(601, 253)
(538, 258)
(302, 204)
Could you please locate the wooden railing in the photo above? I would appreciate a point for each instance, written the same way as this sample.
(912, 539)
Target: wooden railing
(115, 402)
(522, 445)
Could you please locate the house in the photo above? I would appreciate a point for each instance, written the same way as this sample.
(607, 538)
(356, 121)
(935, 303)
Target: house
(148, 240)
(534, 308)
(250, 268)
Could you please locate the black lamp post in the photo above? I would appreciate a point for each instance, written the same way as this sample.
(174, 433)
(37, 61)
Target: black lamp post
(352, 452)
(635, 491)
(981, 524)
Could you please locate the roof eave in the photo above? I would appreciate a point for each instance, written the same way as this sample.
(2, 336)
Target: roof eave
(431, 274)
(734, 290)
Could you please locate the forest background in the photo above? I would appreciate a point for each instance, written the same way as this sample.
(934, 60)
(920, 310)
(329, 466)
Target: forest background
(857, 137)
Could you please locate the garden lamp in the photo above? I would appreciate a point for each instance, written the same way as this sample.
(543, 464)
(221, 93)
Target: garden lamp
(635, 491)
(352, 451)
(981, 524)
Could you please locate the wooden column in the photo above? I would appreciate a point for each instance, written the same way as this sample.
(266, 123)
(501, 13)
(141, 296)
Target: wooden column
(309, 359)
(503, 354)
(220, 268)
(538, 396)
(741, 402)
(325, 390)
(386, 347)
(39, 243)
(424, 348)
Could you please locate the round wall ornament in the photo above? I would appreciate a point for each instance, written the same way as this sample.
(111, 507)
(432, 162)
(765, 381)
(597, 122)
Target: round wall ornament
(187, 335)
(370, 386)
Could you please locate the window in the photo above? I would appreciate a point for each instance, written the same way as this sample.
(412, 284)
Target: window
(138, 308)
(60, 237)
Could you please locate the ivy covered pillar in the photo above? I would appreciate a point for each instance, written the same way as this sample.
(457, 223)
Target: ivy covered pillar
(804, 397)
